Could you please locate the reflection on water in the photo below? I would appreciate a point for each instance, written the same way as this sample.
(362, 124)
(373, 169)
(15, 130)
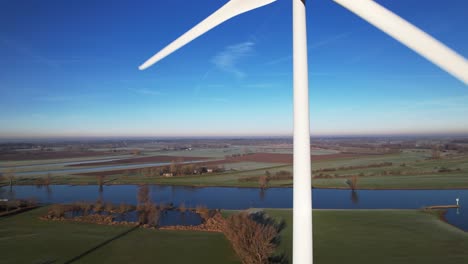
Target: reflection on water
(354, 197)
(172, 217)
(243, 198)
(458, 217)
(262, 194)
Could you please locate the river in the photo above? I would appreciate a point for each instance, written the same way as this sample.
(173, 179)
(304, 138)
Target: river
(243, 198)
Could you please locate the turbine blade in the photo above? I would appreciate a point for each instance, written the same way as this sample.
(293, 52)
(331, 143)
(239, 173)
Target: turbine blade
(226, 12)
(410, 35)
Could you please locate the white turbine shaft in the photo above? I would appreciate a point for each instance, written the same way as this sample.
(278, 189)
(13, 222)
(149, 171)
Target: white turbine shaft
(226, 12)
(302, 211)
(302, 200)
(409, 35)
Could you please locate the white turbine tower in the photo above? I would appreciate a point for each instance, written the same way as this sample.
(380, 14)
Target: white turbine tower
(375, 14)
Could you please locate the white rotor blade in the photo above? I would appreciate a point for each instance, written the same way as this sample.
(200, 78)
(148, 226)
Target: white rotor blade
(409, 35)
(226, 12)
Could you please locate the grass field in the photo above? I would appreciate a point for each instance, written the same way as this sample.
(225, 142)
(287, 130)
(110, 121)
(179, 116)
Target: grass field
(26, 239)
(340, 236)
(378, 236)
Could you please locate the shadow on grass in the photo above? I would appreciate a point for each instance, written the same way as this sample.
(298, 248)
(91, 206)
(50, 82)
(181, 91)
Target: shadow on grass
(262, 218)
(279, 259)
(48, 262)
(89, 251)
(17, 211)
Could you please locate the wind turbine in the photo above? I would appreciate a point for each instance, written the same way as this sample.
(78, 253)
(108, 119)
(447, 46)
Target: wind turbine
(376, 15)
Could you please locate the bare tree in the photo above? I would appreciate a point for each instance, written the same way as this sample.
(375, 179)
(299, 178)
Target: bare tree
(352, 182)
(435, 153)
(148, 212)
(188, 170)
(153, 215)
(254, 237)
(48, 179)
(179, 164)
(154, 172)
(173, 168)
(10, 176)
(263, 181)
(100, 182)
(143, 195)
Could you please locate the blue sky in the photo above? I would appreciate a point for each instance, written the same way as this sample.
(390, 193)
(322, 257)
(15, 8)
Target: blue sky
(70, 68)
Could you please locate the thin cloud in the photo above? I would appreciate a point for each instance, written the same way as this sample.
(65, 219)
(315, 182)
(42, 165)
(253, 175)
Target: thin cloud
(327, 41)
(215, 85)
(259, 85)
(56, 98)
(364, 55)
(280, 60)
(313, 45)
(228, 59)
(32, 55)
(217, 99)
(144, 91)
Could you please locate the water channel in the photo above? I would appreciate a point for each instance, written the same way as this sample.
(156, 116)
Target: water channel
(243, 198)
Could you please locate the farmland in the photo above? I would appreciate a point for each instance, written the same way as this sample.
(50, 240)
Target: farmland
(397, 166)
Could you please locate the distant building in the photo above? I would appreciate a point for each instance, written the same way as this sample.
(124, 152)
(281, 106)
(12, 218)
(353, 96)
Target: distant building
(168, 174)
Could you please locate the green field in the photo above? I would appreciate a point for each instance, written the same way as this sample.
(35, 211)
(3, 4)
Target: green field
(340, 236)
(26, 239)
(378, 236)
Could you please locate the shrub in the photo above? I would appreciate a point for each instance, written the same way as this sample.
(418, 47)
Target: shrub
(109, 207)
(86, 208)
(203, 211)
(57, 211)
(124, 208)
(182, 207)
(98, 207)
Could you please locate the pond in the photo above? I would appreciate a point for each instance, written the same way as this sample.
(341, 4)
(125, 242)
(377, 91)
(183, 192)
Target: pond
(166, 218)
(243, 198)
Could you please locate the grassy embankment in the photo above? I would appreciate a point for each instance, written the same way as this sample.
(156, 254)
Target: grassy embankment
(340, 236)
(408, 170)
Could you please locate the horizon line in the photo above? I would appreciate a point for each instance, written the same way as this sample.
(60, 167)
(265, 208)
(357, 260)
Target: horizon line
(243, 136)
